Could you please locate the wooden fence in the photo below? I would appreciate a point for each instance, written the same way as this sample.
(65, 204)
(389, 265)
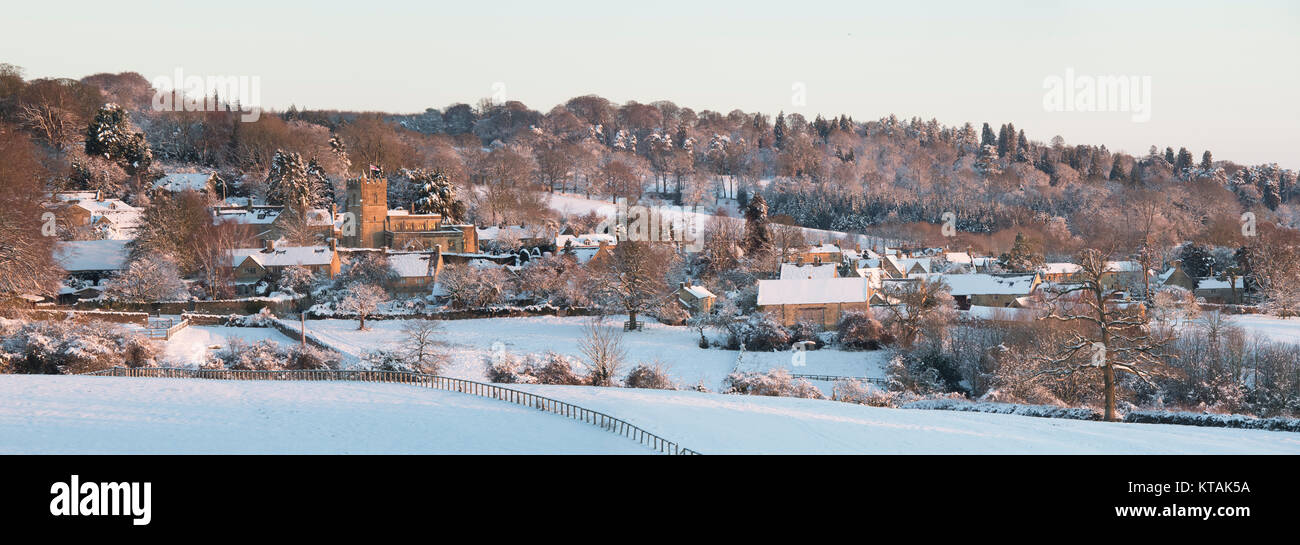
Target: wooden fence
(541, 403)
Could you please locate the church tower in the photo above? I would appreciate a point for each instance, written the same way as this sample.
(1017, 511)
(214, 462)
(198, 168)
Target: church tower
(367, 206)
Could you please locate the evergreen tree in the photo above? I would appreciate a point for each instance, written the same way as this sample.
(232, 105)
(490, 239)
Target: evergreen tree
(290, 184)
(1022, 148)
(435, 194)
(111, 136)
(1021, 257)
(758, 235)
(1197, 260)
(778, 131)
(1207, 160)
(987, 138)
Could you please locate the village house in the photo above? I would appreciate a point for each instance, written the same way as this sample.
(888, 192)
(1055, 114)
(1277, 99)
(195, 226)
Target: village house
(820, 301)
(696, 299)
(253, 265)
(89, 264)
(269, 222)
(794, 270)
(585, 247)
(90, 211)
(822, 253)
(366, 203)
(415, 272)
(1176, 276)
(990, 290)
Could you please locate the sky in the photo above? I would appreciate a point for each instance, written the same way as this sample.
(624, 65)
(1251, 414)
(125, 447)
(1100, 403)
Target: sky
(1220, 76)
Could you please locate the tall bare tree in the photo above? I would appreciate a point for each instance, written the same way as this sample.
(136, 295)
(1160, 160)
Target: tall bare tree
(1112, 337)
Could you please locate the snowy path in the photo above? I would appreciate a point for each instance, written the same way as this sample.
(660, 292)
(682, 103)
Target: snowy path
(103, 415)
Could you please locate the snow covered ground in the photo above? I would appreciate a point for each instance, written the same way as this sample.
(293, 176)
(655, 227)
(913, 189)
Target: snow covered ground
(571, 204)
(729, 424)
(675, 347)
(71, 414)
(1286, 330)
(190, 346)
(108, 415)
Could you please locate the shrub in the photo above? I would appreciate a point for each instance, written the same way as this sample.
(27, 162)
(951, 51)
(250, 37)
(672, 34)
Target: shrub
(241, 355)
(776, 382)
(862, 331)
(552, 368)
(301, 357)
(757, 332)
(805, 331)
(506, 368)
(68, 347)
(649, 376)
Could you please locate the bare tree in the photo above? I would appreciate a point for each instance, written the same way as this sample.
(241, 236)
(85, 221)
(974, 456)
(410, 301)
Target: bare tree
(26, 236)
(634, 276)
(421, 342)
(917, 305)
(1114, 337)
(602, 346)
(362, 300)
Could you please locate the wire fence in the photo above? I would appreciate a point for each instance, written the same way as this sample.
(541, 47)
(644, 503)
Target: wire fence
(835, 378)
(568, 410)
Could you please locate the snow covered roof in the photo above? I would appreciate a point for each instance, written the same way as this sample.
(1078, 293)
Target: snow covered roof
(411, 265)
(286, 256)
(1164, 276)
(193, 181)
(1059, 268)
(813, 291)
(957, 257)
(988, 284)
(792, 270)
(1211, 283)
(258, 215)
(698, 291)
(588, 239)
(519, 231)
(1123, 266)
(824, 249)
(91, 255)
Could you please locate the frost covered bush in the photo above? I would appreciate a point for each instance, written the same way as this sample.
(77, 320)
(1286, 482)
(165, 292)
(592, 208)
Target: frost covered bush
(1213, 420)
(862, 331)
(552, 368)
(301, 357)
(649, 376)
(506, 368)
(241, 355)
(385, 360)
(66, 347)
(263, 318)
(758, 332)
(548, 368)
(776, 382)
(805, 331)
(956, 403)
(908, 373)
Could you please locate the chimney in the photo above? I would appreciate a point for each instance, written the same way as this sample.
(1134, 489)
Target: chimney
(99, 196)
(334, 244)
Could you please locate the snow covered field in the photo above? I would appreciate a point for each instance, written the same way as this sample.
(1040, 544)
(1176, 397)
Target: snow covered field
(190, 346)
(675, 347)
(71, 414)
(107, 415)
(729, 424)
(1285, 330)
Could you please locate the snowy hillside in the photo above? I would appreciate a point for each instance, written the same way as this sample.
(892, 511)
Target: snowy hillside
(106, 415)
(64, 414)
(729, 424)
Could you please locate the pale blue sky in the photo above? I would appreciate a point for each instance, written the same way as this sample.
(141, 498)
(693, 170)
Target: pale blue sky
(1225, 76)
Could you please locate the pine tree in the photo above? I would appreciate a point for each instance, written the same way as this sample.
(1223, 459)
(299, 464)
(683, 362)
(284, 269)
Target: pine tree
(778, 131)
(758, 235)
(111, 136)
(1207, 160)
(1022, 148)
(290, 184)
(1021, 257)
(435, 194)
(987, 138)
